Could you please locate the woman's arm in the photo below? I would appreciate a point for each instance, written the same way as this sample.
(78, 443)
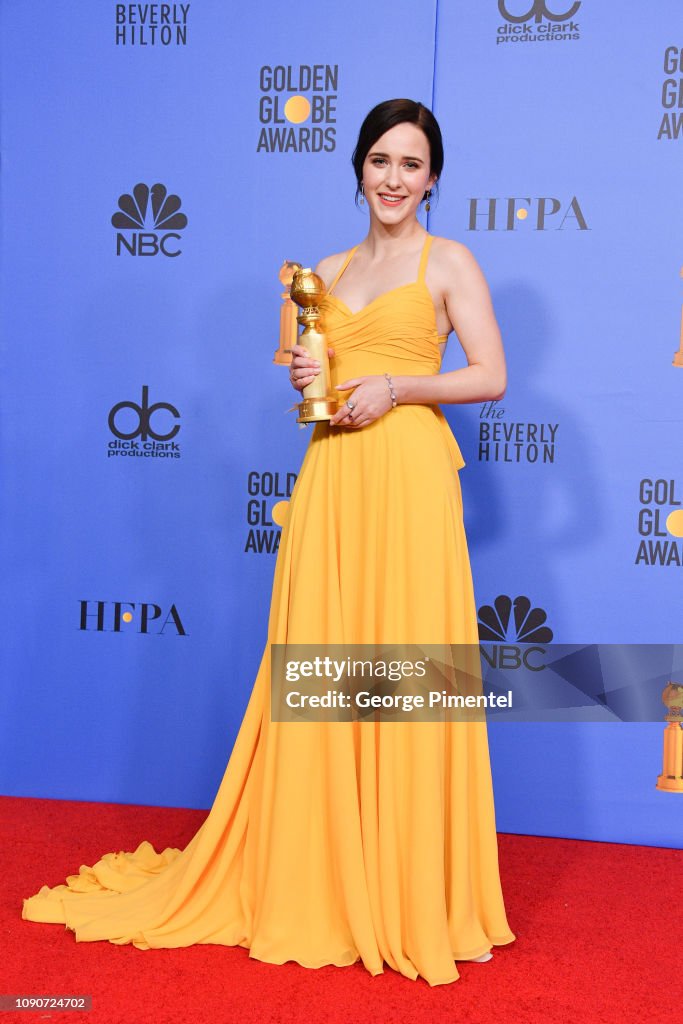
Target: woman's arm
(468, 304)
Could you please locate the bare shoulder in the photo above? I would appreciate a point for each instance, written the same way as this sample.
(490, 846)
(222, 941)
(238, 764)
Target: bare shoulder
(455, 273)
(329, 265)
(451, 256)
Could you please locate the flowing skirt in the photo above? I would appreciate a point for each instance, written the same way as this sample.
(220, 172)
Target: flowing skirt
(334, 841)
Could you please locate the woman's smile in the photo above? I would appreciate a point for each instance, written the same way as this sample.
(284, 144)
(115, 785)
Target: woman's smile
(388, 199)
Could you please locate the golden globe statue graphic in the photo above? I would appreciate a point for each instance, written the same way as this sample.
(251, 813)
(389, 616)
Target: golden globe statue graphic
(320, 401)
(678, 355)
(671, 778)
(289, 331)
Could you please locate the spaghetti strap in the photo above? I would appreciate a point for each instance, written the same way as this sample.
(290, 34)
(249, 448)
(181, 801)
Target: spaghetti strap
(343, 267)
(420, 273)
(423, 258)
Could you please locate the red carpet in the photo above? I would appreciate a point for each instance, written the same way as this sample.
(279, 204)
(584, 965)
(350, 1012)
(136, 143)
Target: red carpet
(598, 930)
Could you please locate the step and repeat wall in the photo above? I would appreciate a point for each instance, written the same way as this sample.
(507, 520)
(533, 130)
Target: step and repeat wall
(161, 165)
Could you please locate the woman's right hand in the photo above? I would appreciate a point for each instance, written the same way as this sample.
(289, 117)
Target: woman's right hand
(303, 369)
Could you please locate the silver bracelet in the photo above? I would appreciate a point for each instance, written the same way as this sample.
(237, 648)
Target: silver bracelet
(394, 403)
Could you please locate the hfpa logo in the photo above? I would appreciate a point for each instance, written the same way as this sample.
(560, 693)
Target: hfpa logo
(513, 619)
(116, 616)
(538, 214)
(135, 212)
(537, 11)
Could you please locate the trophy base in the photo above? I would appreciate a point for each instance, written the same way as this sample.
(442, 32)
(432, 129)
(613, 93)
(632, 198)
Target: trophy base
(678, 358)
(670, 783)
(312, 410)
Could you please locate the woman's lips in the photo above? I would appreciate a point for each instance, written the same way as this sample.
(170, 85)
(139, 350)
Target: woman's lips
(389, 200)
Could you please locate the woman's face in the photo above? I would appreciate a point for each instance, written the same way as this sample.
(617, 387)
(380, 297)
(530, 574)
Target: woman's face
(396, 173)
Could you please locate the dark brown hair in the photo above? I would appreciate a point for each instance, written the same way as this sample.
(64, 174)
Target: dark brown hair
(387, 115)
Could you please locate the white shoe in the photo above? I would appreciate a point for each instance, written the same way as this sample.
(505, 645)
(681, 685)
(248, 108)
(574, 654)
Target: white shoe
(483, 958)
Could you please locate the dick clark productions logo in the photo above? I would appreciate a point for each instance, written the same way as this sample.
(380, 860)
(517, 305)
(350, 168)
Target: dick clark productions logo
(144, 439)
(151, 221)
(536, 22)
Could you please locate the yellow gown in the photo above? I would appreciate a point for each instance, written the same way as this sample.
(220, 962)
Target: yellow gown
(331, 842)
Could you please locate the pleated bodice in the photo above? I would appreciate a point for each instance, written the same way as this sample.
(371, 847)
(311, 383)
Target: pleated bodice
(395, 332)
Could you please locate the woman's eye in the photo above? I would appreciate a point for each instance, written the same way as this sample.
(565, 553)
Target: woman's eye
(381, 160)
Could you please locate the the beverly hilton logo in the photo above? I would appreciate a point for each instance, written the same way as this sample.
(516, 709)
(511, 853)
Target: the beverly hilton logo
(298, 108)
(506, 624)
(140, 211)
(534, 21)
(505, 440)
(660, 523)
(151, 24)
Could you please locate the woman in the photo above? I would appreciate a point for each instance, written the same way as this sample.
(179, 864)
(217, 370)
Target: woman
(334, 841)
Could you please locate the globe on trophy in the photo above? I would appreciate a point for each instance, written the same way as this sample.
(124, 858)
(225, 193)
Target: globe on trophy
(319, 399)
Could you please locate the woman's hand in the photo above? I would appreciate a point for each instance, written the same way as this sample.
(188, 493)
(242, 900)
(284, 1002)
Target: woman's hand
(303, 369)
(371, 398)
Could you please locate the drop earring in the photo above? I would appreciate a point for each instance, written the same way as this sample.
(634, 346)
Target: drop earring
(362, 194)
(427, 204)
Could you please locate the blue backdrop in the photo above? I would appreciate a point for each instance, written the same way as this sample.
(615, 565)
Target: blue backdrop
(136, 581)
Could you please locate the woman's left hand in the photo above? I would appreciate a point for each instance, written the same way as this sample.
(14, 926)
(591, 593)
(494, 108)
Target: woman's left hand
(371, 398)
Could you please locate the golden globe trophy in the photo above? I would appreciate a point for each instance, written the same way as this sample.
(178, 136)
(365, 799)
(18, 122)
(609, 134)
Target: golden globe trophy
(678, 355)
(320, 401)
(288, 326)
(671, 778)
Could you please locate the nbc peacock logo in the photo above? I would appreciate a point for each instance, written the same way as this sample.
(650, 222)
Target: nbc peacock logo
(506, 624)
(145, 209)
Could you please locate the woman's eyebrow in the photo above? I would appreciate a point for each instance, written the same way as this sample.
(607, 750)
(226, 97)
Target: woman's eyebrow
(416, 158)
